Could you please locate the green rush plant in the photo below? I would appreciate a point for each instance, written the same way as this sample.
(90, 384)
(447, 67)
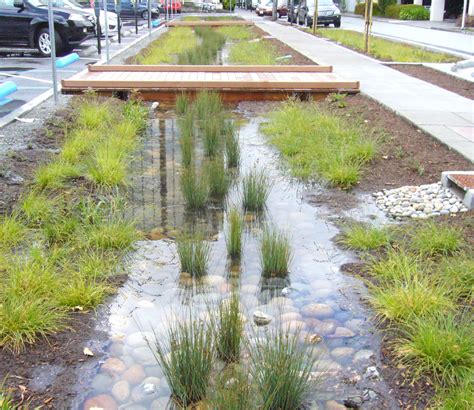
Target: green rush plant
(195, 189)
(211, 136)
(233, 390)
(235, 224)
(12, 231)
(434, 239)
(182, 104)
(397, 265)
(194, 253)
(255, 190)
(232, 148)
(275, 252)
(218, 177)
(365, 237)
(208, 104)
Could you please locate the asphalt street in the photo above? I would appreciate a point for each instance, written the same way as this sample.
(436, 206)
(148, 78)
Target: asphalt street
(33, 74)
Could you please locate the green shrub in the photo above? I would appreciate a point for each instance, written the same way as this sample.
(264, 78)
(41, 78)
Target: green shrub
(407, 12)
(383, 4)
(360, 10)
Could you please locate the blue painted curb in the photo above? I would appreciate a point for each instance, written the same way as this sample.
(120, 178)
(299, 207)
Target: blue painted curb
(7, 88)
(155, 23)
(67, 60)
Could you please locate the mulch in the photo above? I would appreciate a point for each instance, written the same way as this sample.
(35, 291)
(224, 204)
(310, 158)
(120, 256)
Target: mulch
(443, 80)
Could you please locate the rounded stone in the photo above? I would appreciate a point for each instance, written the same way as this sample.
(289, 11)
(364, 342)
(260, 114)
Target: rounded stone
(144, 355)
(113, 365)
(134, 374)
(280, 301)
(121, 391)
(341, 352)
(334, 405)
(285, 317)
(160, 404)
(322, 327)
(261, 319)
(363, 355)
(102, 401)
(294, 326)
(213, 280)
(102, 382)
(317, 310)
(250, 289)
(139, 339)
(343, 332)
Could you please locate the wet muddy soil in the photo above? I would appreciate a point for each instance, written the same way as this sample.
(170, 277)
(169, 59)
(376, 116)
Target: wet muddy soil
(443, 80)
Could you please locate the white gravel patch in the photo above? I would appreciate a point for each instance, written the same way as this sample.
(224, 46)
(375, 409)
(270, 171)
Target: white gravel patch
(420, 202)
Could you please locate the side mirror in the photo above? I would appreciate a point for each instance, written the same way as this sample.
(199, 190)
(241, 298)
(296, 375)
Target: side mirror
(18, 4)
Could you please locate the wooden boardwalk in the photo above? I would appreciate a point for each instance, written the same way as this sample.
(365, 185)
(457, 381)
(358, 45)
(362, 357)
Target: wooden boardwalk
(235, 83)
(209, 23)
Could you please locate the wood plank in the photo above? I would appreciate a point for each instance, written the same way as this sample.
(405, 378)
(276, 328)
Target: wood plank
(214, 68)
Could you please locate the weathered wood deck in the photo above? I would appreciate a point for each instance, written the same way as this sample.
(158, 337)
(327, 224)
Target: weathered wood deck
(235, 83)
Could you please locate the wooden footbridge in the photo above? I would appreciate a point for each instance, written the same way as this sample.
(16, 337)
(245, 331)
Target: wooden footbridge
(235, 83)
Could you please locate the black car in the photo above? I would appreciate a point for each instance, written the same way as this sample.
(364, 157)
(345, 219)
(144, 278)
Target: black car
(328, 13)
(24, 23)
(293, 10)
(127, 9)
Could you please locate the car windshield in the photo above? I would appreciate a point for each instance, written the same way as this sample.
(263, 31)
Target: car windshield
(56, 3)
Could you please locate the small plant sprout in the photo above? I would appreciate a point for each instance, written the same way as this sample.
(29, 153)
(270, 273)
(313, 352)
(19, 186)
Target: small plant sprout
(194, 253)
(275, 252)
(235, 224)
(229, 328)
(338, 99)
(255, 190)
(195, 189)
(232, 148)
(186, 358)
(281, 371)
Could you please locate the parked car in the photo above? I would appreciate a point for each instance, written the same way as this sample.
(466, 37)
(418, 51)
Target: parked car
(208, 6)
(251, 4)
(127, 9)
(267, 9)
(112, 19)
(293, 10)
(24, 23)
(328, 13)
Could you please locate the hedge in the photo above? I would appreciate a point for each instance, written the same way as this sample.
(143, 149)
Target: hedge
(407, 12)
(360, 9)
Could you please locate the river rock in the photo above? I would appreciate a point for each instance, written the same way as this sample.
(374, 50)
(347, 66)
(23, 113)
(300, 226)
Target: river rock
(280, 301)
(343, 332)
(261, 319)
(372, 373)
(160, 404)
(121, 391)
(102, 382)
(322, 327)
(294, 326)
(134, 374)
(334, 405)
(138, 339)
(285, 317)
(213, 280)
(363, 355)
(144, 356)
(250, 289)
(102, 401)
(147, 391)
(340, 352)
(113, 365)
(317, 310)
(353, 402)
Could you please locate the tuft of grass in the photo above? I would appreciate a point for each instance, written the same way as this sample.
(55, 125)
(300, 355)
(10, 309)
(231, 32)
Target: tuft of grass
(458, 273)
(182, 103)
(78, 144)
(218, 177)
(233, 390)
(186, 359)
(38, 209)
(229, 329)
(234, 233)
(386, 50)
(281, 371)
(456, 398)
(440, 346)
(93, 113)
(319, 145)
(211, 134)
(208, 104)
(211, 43)
(255, 190)
(109, 165)
(396, 265)
(250, 53)
(12, 231)
(56, 174)
(6, 399)
(275, 252)
(111, 233)
(401, 300)
(25, 318)
(194, 254)
(232, 147)
(434, 239)
(195, 189)
(365, 237)
(236, 33)
(166, 49)
(83, 291)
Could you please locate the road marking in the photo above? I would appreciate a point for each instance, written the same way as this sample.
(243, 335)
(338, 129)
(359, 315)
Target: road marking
(26, 78)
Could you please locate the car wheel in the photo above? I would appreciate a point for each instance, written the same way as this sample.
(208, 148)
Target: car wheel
(43, 42)
(326, 24)
(337, 24)
(278, 14)
(145, 15)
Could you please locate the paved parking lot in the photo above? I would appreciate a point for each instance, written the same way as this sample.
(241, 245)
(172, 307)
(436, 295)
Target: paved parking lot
(33, 75)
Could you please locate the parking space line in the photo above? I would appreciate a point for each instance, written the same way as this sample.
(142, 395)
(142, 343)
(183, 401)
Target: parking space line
(26, 78)
(20, 88)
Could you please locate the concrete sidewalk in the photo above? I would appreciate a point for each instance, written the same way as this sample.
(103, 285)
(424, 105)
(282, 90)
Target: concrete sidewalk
(441, 113)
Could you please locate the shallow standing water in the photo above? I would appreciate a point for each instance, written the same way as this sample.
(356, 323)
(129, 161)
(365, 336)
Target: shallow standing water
(316, 296)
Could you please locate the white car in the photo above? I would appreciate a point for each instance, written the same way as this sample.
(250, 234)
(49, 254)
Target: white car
(112, 19)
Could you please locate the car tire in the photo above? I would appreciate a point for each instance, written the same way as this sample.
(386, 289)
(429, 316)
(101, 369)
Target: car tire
(306, 22)
(337, 24)
(326, 24)
(144, 15)
(43, 42)
(278, 14)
